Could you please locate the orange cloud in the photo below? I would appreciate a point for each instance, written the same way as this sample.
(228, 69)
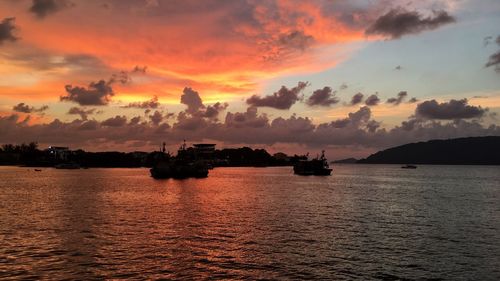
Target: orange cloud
(221, 49)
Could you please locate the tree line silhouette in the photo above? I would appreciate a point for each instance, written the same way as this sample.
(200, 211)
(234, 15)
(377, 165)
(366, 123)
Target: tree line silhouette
(30, 155)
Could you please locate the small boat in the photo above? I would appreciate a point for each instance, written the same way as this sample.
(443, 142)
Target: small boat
(408, 167)
(38, 170)
(315, 167)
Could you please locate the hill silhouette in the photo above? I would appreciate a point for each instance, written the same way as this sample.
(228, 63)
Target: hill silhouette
(345, 161)
(461, 151)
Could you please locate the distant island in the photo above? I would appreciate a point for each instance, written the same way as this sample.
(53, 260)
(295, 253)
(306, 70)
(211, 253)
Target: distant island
(345, 161)
(460, 151)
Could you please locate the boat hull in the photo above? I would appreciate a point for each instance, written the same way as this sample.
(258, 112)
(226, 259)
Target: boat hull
(178, 172)
(323, 172)
(315, 167)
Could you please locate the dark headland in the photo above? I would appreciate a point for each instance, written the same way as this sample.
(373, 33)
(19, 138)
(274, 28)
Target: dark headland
(460, 151)
(345, 161)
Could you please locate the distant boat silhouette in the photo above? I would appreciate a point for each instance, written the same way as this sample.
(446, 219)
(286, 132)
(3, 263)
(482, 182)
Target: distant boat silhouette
(38, 170)
(179, 167)
(408, 167)
(317, 167)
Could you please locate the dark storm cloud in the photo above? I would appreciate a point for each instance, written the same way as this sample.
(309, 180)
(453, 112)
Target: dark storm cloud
(454, 109)
(135, 120)
(296, 40)
(372, 126)
(44, 60)
(213, 111)
(84, 113)
(250, 118)
(357, 98)
(156, 118)
(354, 121)
(90, 125)
(196, 110)
(7, 29)
(24, 108)
(399, 22)
(323, 97)
(494, 59)
(357, 129)
(197, 115)
(139, 69)
(192, 99)
(372, 100)
(190, 124)
(42, 108)
(152, 103)
(413, 100)
(284, 98)
(21, 107)
(287, 127)
(120, 77)
(97, 93)
(43, 8)
(187, 122)
(487, 40)
(81, 61)
(117, 121)
(398, 99)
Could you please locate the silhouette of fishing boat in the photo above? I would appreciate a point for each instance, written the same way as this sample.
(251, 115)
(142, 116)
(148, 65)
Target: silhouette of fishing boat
(179, 167)
(408, 167)
(315, 167)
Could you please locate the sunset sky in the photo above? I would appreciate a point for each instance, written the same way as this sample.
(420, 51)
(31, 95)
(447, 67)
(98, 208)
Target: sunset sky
(350, 77)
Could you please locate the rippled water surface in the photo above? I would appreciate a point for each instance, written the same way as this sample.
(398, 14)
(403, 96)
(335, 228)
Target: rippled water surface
(363, 222)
